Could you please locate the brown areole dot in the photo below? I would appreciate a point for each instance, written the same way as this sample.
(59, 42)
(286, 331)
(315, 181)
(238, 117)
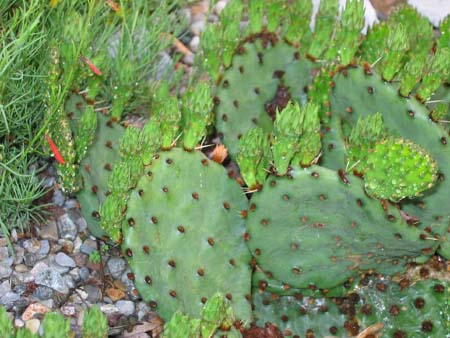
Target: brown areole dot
(146, 249)
(427, 326)
(148, 280)
(201, 272)
(195, 195)
(419, 303)
(173, 293)
(154, 220)
(211, 241)
(172, 263)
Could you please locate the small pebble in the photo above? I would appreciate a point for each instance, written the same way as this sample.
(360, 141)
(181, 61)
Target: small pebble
(84, 273)
(34, 309)
(38, 268)
(58, 198)
(33, 325)
(125, 307)
(49, 231)
(116, 266)
(88, 246)
(77, 245)
(67, 227)
(32, 245)
(197, 27)
(21, 268)
(219, 6)
(43, 293)
(93, 293)
(108, 309)
(5, 270)
(62, 259)
(52, 279)
(193, 45)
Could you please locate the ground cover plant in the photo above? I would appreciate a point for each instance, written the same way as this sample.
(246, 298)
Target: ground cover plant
(333, 223)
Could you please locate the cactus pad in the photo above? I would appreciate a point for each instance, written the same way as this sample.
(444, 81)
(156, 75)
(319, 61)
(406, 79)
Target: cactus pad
(323, 229)
(183, 235)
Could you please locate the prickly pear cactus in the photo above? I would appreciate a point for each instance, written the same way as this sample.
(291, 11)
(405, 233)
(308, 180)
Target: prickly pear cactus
(184, 216)
(341, 143)
(97, 161)
(325, 230)
(375, 307)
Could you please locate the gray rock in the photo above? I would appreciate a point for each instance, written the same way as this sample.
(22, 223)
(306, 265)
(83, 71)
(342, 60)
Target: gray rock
(116, 266)
(43, 293)
(142, 310)
(71, 204)
(30, 259)
(69, 281)
(8, 261)
(109, 309)
(4, 253)
(67, 227)
(19, 252)
(53, 280)
(20, 278)
(45, 249)
(125, 307)
(32, 245)
(49, 231)
(88, 246)
(93, 292)
(5, 270)
(58, 268)
(48, 182)
(20, 289)
(84, 273)
(81, 223)
(62, 259)
(58, 198)
(77, 245)
(9, 298)
(38, 268)
(75, 273)
(5, 287)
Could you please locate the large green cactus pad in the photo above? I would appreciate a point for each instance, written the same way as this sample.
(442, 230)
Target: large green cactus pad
(258, 74)
(419, 310)
(404, 117)
(183, 235)
(323, 229)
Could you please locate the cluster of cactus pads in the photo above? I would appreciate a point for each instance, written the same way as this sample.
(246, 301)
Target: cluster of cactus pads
(341, 143)
(54, 325)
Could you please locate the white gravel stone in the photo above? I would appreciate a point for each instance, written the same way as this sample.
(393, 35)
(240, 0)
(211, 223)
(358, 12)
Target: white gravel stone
(193, 44)
(109, 309)
(219, 6)
(33, 325)
(125, 307)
